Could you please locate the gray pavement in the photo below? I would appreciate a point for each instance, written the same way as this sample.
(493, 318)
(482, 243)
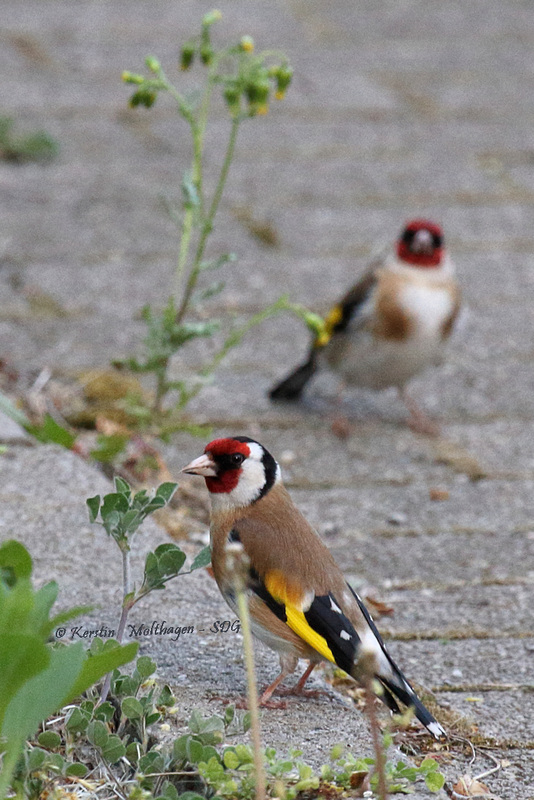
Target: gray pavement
(397, 109)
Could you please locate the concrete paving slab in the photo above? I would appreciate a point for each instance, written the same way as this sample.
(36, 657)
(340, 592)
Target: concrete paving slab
(454, 607)
(467, 666)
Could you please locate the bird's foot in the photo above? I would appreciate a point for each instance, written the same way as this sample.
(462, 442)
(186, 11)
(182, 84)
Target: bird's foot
(422, 424)
(266, 700)
(272, 703)
(242, 702)
(296, 692)
(418, 421)
(298, 689)
(341, 427)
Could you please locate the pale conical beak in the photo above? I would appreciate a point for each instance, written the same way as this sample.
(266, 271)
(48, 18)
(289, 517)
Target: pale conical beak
(203, 465)
(422, 242)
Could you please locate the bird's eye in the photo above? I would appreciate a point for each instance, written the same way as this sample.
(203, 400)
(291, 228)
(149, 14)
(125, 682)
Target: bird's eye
(237, 459)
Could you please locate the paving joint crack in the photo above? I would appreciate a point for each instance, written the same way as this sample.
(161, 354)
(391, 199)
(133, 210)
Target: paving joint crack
(452, 635)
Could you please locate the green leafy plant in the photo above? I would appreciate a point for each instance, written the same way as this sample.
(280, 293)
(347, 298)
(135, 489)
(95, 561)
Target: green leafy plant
(47, 432)
(36, 677)
(230, 772)
(37, 146)
(121, 513)
(91, 741)
(400, 776)
(118, 741)
(246, 81)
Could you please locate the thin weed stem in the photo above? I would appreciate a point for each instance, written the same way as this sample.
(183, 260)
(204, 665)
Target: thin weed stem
(252, 693)
(208, 222)
(238, 565)
(376, 736)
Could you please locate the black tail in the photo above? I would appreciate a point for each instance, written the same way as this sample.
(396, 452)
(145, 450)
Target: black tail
(407, 696)
(395, 685)
(291, 387)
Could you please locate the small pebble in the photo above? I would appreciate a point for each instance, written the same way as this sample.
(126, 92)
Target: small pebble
(331, 529)
(457, 673)
(397, 518)
(287, 457)
(439, 494)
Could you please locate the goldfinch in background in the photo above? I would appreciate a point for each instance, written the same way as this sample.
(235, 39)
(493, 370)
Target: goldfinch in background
(300, 603)
(392, 324)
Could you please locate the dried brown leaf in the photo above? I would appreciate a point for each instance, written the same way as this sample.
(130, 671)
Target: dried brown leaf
(378, 607)
(460, 460)
(109, 427)
(470, 787)
(359, 781)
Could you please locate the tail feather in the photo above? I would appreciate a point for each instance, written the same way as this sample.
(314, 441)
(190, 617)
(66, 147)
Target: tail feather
(396, 686)
(291, 387)
(408, 697)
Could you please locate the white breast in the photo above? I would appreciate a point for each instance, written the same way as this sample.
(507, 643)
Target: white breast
(428, 307)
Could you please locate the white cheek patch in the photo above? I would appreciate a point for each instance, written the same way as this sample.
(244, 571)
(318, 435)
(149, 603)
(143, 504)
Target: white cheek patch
(251, 484)
(256, 451)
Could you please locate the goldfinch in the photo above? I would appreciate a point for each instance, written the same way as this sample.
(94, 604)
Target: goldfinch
(392, 324)
(300, 604)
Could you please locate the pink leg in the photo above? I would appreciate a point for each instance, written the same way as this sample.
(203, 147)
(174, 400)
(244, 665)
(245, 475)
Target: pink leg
(418, 421)
(340, 424)
(300, 685)
(288, 664)
(298, 689)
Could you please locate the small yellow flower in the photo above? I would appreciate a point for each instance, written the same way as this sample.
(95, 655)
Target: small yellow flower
(279, 95)
(262, 109)
(247, 44)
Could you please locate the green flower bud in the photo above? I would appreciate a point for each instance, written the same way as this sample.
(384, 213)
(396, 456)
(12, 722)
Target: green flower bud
(206, 53)
(187, 55)
(153, 64)
(283, 79)
(132, 77)
(232, 95)
(211, 17)
(143, 97)
(258, 91)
